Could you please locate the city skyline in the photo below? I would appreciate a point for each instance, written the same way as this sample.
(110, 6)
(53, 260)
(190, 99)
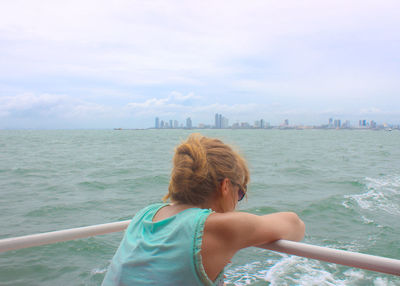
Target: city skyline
(332, 123)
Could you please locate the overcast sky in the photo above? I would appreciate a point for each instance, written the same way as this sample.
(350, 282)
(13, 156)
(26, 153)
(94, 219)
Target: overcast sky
(106, 64)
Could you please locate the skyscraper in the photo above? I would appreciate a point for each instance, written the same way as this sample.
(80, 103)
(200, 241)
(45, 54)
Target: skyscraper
(217, 120)
(224, 122)
(221, 121)
(330, 124)
(157, 124)
(188, 123)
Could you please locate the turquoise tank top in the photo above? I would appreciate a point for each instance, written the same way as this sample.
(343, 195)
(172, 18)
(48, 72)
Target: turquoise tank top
(166, 252)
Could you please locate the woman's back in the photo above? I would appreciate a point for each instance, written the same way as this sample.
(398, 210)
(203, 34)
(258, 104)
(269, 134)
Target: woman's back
(163, 252)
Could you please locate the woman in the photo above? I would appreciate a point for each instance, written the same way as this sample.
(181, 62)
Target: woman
(190, 240)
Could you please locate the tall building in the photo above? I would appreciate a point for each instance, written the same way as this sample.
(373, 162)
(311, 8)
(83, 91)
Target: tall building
(176, 124)
(224, 122)
(157, 123)
(221, 121)
(188, 123)
(262, 123)
(218, 121)
(170, 124)
(217, 124)
(337, 123)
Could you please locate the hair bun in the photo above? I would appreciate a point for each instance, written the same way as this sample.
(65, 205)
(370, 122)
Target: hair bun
(198, 165)
(193, 156)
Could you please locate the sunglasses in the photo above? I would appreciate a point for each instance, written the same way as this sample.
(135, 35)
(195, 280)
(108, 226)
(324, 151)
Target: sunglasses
(241, 192)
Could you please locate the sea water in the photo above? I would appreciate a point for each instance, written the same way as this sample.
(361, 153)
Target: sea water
(344, 184)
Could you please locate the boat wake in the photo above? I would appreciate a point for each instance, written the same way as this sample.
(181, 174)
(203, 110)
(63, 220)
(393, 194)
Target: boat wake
(294, 270)
(382, 195)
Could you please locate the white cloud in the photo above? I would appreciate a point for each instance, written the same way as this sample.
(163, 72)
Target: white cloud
(53, 105)
(371, 111)
(175, 107)
(172, 41)
(236, 56)
(173, 104)
(178, 96)
(29, 101)
(152, 103)
(174, 100)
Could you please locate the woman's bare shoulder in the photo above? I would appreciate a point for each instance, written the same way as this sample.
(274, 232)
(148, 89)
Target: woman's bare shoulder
(227, 225)
(242, 229)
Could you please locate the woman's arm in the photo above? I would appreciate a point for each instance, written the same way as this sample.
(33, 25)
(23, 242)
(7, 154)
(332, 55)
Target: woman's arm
(226, 233)
(239, 229)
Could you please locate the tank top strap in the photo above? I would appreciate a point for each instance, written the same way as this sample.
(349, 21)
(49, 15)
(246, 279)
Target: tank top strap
(199, 231)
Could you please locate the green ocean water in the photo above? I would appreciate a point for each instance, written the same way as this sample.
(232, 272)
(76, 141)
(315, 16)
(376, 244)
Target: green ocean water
(344, 184)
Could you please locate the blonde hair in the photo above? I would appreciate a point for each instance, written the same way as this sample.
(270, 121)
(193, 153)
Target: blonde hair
(199, 165)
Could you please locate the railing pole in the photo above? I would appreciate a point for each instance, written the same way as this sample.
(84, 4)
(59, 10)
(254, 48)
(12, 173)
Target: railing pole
(353, 259)
(26, 241)
(347, 258)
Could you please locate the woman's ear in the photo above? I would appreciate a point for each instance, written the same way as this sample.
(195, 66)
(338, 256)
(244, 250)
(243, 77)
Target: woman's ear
(224, 190)
(226, 201)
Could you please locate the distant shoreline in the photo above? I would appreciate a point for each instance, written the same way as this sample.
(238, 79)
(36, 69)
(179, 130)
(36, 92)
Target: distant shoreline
(272, 128)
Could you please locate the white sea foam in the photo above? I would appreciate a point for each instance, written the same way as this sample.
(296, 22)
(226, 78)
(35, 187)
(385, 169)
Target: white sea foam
(294, 270)
(98, 271)
(379, 281)
(366, 220)
(383, 194)
(246, 274)
(390, 182)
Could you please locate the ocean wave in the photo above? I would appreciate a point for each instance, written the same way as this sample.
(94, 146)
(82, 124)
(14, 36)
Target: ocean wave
(302, 271)
(294, 270)
(98, 271)
(382, 194)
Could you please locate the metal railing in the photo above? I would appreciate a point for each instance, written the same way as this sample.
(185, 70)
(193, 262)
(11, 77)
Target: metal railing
(352, 259)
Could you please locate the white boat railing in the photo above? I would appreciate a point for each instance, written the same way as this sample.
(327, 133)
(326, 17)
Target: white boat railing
(348, 258)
